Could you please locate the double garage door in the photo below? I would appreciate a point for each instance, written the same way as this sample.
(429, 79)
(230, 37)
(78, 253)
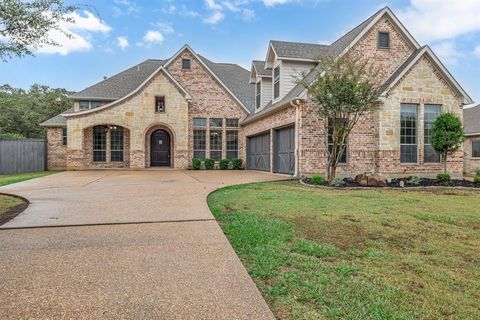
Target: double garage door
(258, 151)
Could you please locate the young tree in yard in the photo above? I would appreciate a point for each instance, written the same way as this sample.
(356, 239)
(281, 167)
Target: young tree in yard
(24, 25)
(344, 92)
(447, 135)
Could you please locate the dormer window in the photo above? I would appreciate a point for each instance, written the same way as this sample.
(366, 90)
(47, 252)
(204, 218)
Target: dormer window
(383, 40)
(276, 82)
(258, 94)
(84, 105)
(185, 64)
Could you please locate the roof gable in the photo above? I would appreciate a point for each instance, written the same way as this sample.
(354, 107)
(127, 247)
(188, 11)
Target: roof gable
(471, 120)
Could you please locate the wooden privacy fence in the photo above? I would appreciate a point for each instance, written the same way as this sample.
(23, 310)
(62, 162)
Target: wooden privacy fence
(22, 155)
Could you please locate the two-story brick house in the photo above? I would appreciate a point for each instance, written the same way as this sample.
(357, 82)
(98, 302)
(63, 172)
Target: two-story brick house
(166, 112)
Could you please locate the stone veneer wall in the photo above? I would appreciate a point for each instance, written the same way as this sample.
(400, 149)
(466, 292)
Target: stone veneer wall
(56, 151)
(137, 114)
(422, 85)
(470, 164)
(209, 100)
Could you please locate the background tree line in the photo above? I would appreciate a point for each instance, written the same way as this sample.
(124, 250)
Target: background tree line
(22, 111)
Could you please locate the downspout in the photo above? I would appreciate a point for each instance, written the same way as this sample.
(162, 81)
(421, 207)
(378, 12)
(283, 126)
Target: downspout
(296, 103)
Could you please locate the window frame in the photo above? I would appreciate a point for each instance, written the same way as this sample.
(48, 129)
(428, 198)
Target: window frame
(477, 156)
(212, 120)
(231, 119)
(95, 102)
(64, 136)
(80, 105)
(218, 144)
(157, 98)
(404, 130)
(258, 95)
(195, 143)
(97, 151)
(276, 82)
(189, 61)
(231, 147)
(379, 42)
(427, 127)
(199, 119)
(344, 159)
(117, 135)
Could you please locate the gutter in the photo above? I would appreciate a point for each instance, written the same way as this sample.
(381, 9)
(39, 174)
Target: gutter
(472, 134)
(269, 111)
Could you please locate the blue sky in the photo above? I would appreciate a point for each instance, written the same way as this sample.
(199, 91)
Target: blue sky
(113, 35)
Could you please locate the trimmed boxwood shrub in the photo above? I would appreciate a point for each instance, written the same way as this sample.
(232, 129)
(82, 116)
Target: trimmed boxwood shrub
(318, 180)
(209, 164)
(444, 177)
(196, 164)
(224, 164)
(476, 179)
(237, 164)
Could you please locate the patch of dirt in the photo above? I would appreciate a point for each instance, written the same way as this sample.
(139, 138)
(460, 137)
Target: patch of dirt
(343, 234)
(15, 211)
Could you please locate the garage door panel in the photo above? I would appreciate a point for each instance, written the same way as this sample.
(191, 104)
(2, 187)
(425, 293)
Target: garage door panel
(258, 152)
(284, 151)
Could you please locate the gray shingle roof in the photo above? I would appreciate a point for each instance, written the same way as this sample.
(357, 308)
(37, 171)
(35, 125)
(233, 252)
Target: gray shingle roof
(260, 68)
(471, 120)
(122, 83)
(298, 50)
(236, 79)
(57, 121)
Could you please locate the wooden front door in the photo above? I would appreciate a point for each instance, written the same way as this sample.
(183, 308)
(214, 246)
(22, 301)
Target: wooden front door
(160, 149)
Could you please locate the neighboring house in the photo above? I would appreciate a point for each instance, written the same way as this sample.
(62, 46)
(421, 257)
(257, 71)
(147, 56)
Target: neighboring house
(472, 139)
(166, 112)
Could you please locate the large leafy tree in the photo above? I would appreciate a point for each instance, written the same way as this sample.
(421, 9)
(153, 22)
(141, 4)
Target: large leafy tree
(447, 135)
(21, 111)
(344, 91)
(24, 25)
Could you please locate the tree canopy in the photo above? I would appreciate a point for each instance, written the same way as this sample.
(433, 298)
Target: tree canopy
(24, 25)
(447, 135)
(22, 111)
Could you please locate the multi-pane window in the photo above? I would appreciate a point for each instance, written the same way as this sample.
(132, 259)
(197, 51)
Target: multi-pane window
(476, 149)
(116, 144)
(276, 82)
(186, 64)
(199, 122)
(216, 122)
(95, 104)
(232, 123)
(216, 144)
(431, 114)
(84, 105)
(160, 104)
(64, 136)
(343, 158)
(384, 40)
(100, 143)
(199, 144)
(258, 96)
(232, 144)
(408, 133)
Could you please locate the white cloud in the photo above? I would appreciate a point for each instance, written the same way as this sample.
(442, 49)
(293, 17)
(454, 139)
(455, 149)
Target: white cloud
(434, 20)
(122, 42)
(152, 37)
(164, 27)
(477, 51)
(124, 7)
(271, 3)
(212, 5)
(448, 52)
(81, 31)
(170, 9)
(184, 11)
(214, 18)
(248, 14)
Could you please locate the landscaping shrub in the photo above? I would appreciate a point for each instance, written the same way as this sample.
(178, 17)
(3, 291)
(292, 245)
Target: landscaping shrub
(476, 179)
(209, 164)
(11, 136)
(237, 164)
(444, 177)
(196, 164)
(337, 183)
(318, 180)
(477, 172)
(224, 164)
(414, 181)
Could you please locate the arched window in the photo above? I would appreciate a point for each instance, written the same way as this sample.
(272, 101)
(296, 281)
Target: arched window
(100, 143)
(116, 144)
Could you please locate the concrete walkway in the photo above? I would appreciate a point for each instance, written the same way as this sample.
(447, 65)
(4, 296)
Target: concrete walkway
(124, 245)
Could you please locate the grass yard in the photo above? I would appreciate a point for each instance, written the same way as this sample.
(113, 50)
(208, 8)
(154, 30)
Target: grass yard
(6, 204)
(363, 254)
(14, 178)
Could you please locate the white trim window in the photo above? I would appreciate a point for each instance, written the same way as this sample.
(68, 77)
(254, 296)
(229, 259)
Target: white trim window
(258, 94)
(408, 133)
(276, 82)
(476, 149)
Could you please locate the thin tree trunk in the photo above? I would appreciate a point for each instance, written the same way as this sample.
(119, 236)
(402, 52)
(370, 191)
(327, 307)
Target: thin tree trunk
(445, 163)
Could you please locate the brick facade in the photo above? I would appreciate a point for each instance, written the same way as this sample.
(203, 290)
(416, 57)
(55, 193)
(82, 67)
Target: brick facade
(56, 151)
(471, 164)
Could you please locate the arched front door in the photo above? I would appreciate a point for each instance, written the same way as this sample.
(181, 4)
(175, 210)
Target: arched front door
(160, 149)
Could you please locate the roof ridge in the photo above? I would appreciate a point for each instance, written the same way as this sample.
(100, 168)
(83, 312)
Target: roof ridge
(297, 42)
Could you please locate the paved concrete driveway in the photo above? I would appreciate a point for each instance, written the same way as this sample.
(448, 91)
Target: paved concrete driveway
(124, 245)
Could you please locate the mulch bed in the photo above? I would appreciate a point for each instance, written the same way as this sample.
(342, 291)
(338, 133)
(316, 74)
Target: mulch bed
(15, 211)
(395, 183)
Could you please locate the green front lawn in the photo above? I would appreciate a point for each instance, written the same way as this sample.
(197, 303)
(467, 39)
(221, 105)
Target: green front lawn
(330, 254)
(14, 178)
